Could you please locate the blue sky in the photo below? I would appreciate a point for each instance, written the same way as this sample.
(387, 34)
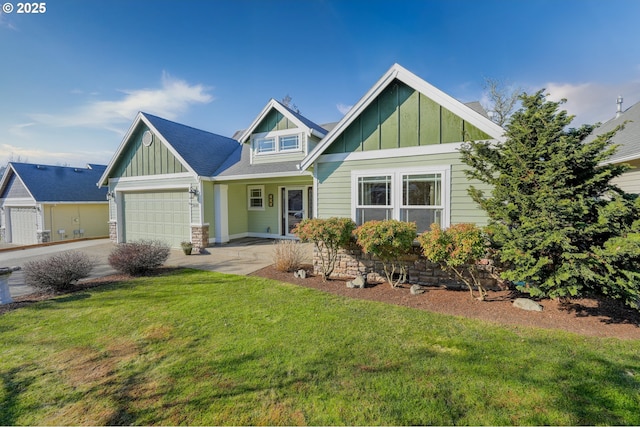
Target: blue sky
(73, 78)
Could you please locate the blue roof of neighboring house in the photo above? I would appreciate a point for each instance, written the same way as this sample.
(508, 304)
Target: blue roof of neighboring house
(203, 151)
(61, 183)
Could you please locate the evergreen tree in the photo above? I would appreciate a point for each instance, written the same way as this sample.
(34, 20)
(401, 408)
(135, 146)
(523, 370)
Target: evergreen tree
(556, 221)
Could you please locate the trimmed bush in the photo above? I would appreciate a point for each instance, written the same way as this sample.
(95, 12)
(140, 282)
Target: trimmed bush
(328, 236)
(391, 241)
(138, 258)
(457, 250)
(58, 273)
(287, 255)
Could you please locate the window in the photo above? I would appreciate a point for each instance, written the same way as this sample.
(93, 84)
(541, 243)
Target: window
(256, 197)
(265, 145)
(289, 143)
(276, 142)
(374, 198)
(407, 195)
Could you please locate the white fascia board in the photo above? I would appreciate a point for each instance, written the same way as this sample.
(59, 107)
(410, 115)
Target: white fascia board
(141, 118)
(621, 160)
(418, 84)
(391, 153)
(150, 178)
(258, 176)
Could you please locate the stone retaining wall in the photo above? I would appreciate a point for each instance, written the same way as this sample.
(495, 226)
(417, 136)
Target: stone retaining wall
(352, 261)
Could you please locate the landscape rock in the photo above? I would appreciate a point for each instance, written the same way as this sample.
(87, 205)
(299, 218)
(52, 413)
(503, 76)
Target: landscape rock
(300, 274)
(359, 282)
(527, 304)
(417, 290)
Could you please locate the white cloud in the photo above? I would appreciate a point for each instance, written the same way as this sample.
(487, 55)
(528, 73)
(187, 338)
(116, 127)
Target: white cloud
(170, 100)
(37, 155)
(593, 102)
(344, 109)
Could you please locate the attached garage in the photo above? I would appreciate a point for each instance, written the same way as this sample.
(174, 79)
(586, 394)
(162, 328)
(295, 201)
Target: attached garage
(23, 223)
(161, 215)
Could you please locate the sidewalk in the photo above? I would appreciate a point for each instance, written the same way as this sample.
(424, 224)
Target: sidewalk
(243, 256)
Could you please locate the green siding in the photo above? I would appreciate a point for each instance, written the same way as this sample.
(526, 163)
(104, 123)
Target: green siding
(274, 120)
(402, 117)
(138, 160)
(334, 192)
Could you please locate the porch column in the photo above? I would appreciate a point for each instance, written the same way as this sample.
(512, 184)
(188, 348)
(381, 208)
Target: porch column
(221, 209)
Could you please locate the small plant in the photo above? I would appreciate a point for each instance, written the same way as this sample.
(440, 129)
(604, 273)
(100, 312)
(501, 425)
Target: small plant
(287, 255)
(58, 273)
(187, 247)
(457, 250)
(328, 236)
(138, 258)
(391, 241)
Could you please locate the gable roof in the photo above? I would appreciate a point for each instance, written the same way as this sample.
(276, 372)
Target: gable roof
(309, 126)
(201, 152)
(397, 72)
(48, 183)
(627, 139)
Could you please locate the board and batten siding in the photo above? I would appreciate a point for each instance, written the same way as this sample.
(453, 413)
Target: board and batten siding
(334, 184)
(402, 117)
(139, 160)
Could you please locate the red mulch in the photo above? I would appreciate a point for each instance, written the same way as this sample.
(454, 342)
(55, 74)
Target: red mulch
(588, 316)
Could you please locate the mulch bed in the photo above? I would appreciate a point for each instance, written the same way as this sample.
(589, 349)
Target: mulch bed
(588, 316)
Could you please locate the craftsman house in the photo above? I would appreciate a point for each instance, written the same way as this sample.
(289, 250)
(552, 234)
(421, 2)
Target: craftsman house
(393, 155)
(43, 203)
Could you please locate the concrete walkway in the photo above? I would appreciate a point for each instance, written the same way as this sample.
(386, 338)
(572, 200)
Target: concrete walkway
(243, 256)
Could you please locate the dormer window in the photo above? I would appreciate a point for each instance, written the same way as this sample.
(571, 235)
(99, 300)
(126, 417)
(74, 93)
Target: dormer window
(265, 145)
(279, 142)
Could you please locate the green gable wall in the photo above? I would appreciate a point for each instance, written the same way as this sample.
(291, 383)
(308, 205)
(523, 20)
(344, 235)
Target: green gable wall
(138, 160)
(402, 117)
(274, 121)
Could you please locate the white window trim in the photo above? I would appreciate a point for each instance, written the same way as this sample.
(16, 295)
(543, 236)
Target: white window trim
(255, 187)
(276, 135)
(396, 188)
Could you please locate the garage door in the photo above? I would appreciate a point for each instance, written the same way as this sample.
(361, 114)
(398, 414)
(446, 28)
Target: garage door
(157, 216)
(23, 226)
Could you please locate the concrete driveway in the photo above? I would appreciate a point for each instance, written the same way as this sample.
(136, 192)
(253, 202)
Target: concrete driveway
(243, 257)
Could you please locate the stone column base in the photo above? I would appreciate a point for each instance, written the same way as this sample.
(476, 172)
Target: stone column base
(200, 236)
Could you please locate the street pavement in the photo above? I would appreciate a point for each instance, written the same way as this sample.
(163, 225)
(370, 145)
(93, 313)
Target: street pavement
(242, 257)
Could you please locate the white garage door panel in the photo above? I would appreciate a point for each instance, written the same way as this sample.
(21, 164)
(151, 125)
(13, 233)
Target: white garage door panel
(157, 216)
(23, 226)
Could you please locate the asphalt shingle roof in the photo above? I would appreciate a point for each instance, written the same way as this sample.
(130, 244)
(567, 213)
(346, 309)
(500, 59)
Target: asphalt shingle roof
(61, 183)
(304, 120)
(204, 151)
(239, 163)
(627, 139)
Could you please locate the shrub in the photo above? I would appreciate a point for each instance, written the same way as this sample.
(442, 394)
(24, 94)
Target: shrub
(391, 241)
(328, 236)
(457, 250)
(287, 255)
(138, 258)
(58, 273)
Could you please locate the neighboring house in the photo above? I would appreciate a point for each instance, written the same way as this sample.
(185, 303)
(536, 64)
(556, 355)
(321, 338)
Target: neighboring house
(43, 203)
(628, 141)
(393, 155)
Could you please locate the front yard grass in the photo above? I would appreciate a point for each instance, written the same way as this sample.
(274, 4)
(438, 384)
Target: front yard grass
(194, 347)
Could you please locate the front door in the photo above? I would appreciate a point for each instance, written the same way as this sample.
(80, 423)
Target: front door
(295, 208)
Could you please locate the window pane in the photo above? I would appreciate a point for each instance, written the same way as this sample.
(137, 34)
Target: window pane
(421, 190)
(368, 214)
(374, 191)
(289, 143)
(256, 203)
(422, 217)
(265, 145)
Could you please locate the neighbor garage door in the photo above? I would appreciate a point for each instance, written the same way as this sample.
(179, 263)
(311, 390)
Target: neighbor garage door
(23, 226)
(157, 216)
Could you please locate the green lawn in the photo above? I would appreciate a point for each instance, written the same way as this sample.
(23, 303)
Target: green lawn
(204, 348)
